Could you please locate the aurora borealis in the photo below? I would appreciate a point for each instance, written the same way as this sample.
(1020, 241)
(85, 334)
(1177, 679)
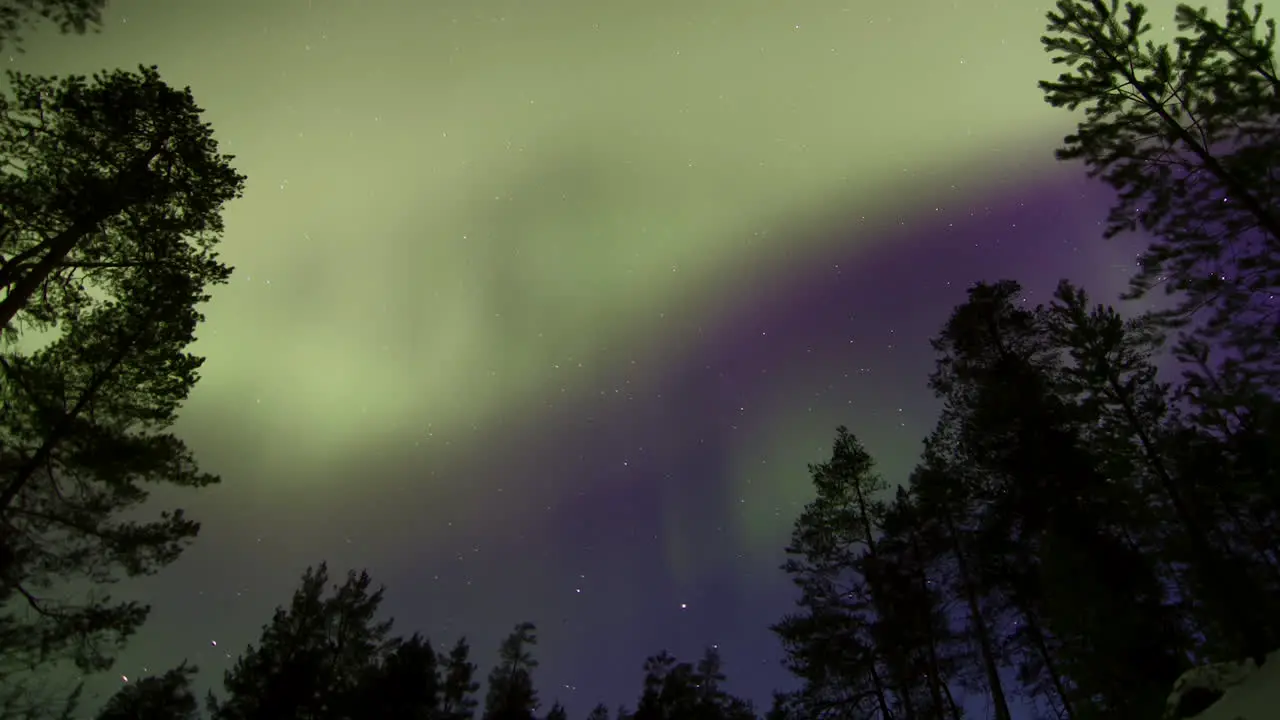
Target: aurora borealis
(541, 308)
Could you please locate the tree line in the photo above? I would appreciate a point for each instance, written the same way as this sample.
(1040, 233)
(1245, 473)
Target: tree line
(1078, 531)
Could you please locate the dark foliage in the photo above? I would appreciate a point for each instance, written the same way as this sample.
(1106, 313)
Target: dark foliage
(315, 656)
(457, 684)
(70, 16)
(109, 215)
(675, 690)
(1188, 136)
(110, 180)
(511, 695)
(161, 697)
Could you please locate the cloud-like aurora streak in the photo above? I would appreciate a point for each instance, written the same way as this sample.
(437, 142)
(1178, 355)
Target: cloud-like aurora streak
(670, 136)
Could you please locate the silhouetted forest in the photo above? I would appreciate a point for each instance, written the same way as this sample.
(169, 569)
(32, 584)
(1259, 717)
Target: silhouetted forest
(1078, 532)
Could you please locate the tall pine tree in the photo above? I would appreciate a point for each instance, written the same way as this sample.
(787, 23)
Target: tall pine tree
(511, 694)
(1049, 502)
(457, 684)
(109, 221)
(314, 656)
(830, 642)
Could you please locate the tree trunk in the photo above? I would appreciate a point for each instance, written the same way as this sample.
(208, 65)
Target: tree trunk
(880, 691)
(1042, 648)
(904, 695)
(876, 654)
(64, 242)
(956, 712)
(1241, 193)
(57, 434)
(979, 625)
(1253, 638)
(935, 669)
(25, 286)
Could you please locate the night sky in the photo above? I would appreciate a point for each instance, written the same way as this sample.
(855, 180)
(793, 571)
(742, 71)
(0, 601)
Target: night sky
(541, 308)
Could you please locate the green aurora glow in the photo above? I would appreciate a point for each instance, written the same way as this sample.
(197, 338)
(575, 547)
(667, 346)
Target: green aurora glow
(533, 193)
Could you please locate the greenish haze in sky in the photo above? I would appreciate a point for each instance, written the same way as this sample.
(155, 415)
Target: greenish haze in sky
(497, 266)
(455, 208)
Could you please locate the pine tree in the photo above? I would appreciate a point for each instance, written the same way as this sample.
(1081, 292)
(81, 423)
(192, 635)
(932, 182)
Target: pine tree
(119, 179)
(944, 495)
(511, 695)
(313, 657)
(710, 675)
(656, 694)
(457, 692)
(405, 685)
(675, 690)
(1223, 440)
(83, 433)
(1197, 525)
(1049, 499)
(829, 643)
(161, 697)
(557, 712)
(599, 712)
(679, 697)
(713, 701)
(911, 607)
(107, 233)
(1187, 138)
(1012, 577)
(891, 631)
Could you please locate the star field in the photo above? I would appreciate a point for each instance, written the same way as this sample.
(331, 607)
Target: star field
(540, 310)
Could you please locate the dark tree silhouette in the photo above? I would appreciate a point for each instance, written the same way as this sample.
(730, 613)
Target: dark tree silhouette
(405, 685)
(662, 696)
(682, 691)
(314, 657)
(108, 180)
(511, 695)
(458, 685)
(783, 707)
(1186, 135)
(1215, 538)
(161, 697)
(83, 434)
(32, 698)
(1050, 508)
(1065, 522)
(910, 606)
(325, 657)
(943, 492)
(557, 712)
(599, 712)
(109, 213)
(70, 16)
(831, 642)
